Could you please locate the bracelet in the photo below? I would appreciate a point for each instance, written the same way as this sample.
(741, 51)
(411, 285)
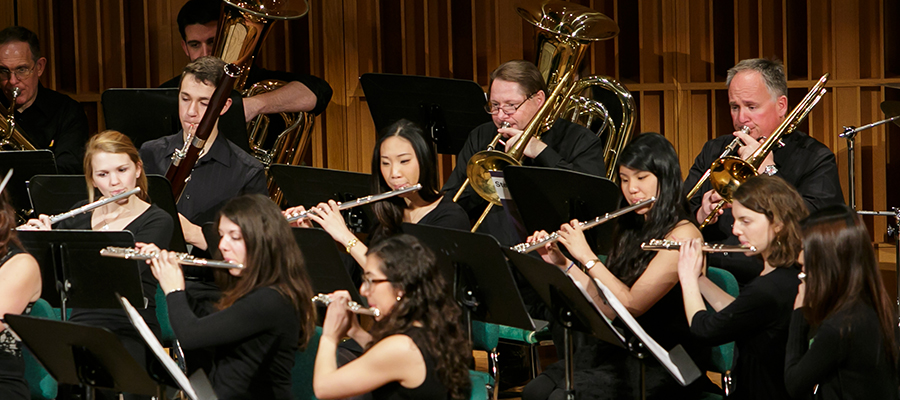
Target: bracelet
(570, 266)
(351, 243)
(590, 264)
(175, 290)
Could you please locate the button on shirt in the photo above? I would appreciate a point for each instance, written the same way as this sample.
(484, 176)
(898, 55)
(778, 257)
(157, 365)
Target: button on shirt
(225, 172)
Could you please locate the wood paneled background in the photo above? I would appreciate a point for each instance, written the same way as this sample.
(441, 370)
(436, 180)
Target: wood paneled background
(672, 55)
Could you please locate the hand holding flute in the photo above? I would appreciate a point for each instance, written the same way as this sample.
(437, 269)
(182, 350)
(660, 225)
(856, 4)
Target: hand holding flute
(339, 320)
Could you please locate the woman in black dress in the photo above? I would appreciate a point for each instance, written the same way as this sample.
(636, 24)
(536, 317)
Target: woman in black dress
(265, 314)
(20, 287)
(402, 158)
(645, 282)
(417, 348)
(853, 350)
(767, 213)
(112, 165)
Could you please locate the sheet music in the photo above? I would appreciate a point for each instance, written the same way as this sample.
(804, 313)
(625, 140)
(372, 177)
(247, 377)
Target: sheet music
(157, 348)
(661, 354)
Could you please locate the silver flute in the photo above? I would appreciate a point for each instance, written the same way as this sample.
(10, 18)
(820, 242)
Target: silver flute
(358, 202)
(183, 258)
(352, 306)
(90, 206)
(528, 247)
(662, 244)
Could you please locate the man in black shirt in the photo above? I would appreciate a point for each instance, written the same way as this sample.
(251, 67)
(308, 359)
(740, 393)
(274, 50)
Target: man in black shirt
(49, 119)
(198, 23)
(757, 94)
(223, 170)
(517, 92)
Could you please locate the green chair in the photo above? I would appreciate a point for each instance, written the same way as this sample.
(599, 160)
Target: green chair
(41, 384)
(722, 357)
(168, 338)
(485, 337)
(479, 385)
(304, 365)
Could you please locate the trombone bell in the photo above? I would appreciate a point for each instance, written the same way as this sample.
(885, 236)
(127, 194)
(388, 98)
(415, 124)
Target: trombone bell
(479, 171)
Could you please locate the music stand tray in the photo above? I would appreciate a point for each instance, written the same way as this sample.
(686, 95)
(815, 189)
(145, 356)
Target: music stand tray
(323, 263)
(25, 164)
(549, 197)
(446, 109)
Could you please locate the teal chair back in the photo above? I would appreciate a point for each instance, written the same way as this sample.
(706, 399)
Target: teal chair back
(41, 384)
(723, 356)
(304, 365)
(479, 385)
(162, 314)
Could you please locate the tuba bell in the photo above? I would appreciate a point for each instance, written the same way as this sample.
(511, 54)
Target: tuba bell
(243, 26)
(11, 137)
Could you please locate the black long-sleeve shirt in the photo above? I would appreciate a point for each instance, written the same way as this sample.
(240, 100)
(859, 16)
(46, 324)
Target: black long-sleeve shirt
(846, 357)
(254, 342)
(757, 321)
(569, 146)
(804, 162)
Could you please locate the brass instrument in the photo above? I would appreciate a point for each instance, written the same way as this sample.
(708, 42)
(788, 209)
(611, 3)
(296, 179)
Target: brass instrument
(89, 207)
(243, 27)
(662, 244)
(183, 258)
(528, 247)
(727, 152)
(494, 142)
(352, 306)
(360, 201)
(11, 137)
(566, 30)
(727, 173)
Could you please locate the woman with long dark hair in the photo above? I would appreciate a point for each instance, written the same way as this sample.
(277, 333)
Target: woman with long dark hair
(20, 287)
(767, 213)
(853, 352)
(265, 313)
(643, 281)
(417, 348)
(402, 158)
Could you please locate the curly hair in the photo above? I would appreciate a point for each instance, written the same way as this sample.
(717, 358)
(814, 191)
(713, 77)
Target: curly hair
(7, 225)
(653, 153)
(780, 203)
(273, 259)
(411, 267)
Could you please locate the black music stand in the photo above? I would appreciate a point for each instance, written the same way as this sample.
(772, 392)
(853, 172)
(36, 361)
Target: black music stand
(446, 109)
(84, 355)
(308, 186)
(327, 271)
(55, 194)
(549, 197)
(74, 274)
(25, 164)
(482, 282)
(147, 114)
(573, 308)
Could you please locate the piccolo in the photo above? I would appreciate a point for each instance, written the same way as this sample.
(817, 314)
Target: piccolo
(528, 247)
(662, 244)
(358, 202)
(353, 306)
(90, 206)
(183, 258)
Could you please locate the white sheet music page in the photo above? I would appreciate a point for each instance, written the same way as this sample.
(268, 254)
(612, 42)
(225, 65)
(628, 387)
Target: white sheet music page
(661, 354)
(157, 348)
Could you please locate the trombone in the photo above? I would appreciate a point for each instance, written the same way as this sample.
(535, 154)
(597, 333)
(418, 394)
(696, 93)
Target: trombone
(728, 173)
(663, 244)
(727, 152)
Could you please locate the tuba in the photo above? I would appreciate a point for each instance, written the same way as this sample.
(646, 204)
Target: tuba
(11, 137)
(566, 31)
(243, 26)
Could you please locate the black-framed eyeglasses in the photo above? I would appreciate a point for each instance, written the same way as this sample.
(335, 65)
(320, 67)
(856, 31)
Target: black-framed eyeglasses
(368, 283)
(508, 109)
(20, 72)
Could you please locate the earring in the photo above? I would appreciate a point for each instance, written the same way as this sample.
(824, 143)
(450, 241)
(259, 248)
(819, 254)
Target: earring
(399, 297)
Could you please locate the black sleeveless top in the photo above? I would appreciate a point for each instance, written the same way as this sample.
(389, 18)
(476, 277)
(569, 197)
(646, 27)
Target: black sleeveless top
(12, 367)
(431, 387)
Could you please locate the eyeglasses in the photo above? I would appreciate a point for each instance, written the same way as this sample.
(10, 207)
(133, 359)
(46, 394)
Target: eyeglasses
(21, 73)
(508, 109)
(368, 283)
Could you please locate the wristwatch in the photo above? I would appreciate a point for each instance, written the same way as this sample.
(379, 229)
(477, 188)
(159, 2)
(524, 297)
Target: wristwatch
(771, 169)
(590, 264)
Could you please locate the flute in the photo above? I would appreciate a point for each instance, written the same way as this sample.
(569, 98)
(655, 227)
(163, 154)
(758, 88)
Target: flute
(662, 244)
(554, 237)
(358, 202)
(89, 207)
(353, 306)
(183, 258)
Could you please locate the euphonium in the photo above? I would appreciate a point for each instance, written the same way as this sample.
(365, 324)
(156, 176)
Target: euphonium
(243, 27)
(11, 137)
(728, 173)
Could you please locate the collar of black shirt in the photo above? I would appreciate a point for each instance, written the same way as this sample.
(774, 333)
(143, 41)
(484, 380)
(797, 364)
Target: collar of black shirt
(220, 151)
